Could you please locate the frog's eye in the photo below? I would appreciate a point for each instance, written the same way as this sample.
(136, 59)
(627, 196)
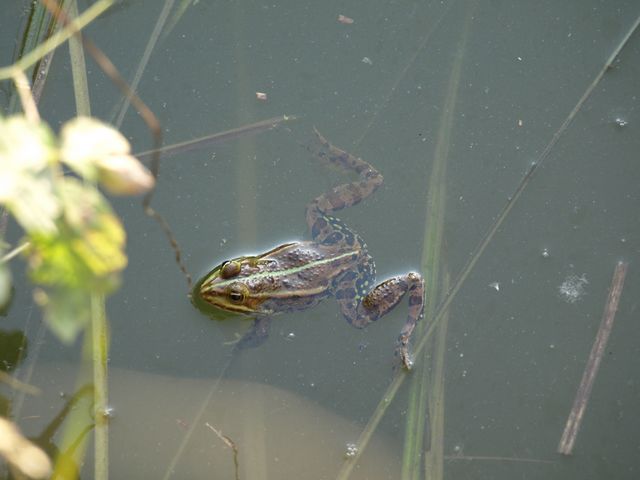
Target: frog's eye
(230, 269)
(237, 292)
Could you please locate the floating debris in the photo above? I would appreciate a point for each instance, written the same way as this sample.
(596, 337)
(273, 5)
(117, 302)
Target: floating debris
(573, 288)
(367, 60)
(261, 96)
(343, 19)
(495, 286)
(352, 450)
(545, 253)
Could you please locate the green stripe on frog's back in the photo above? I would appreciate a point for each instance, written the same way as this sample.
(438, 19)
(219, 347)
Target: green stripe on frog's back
(344, 258)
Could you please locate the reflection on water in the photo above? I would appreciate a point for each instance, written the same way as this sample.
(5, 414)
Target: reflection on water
(277, 434)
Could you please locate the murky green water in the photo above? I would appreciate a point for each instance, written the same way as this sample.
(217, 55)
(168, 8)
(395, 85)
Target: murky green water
(523, 323)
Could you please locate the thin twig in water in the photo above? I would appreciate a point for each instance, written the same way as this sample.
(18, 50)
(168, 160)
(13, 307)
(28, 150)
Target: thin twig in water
(471, 458)
(17, 384)
(153, 40)
(403, 73)
(230, 443)
(593, 364)
(195, 421)
(208, 140)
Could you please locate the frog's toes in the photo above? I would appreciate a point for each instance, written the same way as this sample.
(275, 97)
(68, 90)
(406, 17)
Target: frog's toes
(408, 362)
(406, 359)
(235, 341)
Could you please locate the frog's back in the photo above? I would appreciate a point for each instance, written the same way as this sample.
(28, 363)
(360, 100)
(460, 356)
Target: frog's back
(304, 274)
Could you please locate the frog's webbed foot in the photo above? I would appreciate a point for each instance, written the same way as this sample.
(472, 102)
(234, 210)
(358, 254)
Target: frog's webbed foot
(405, 356)
(256, 335)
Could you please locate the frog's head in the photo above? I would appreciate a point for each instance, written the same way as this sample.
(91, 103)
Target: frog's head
(242, 285)
(228, 287)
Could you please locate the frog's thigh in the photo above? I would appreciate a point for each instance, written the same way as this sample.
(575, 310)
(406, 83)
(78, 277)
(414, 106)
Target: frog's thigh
(386, 295)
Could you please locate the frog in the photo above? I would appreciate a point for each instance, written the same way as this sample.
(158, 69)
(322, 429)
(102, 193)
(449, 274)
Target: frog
(336, 263)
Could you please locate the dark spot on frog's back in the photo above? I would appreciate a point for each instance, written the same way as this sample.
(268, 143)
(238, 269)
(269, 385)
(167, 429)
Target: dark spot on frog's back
(347, 293)
(318, 225)
(334, 238)
(348, 276)
(349, 238)
(415, 300)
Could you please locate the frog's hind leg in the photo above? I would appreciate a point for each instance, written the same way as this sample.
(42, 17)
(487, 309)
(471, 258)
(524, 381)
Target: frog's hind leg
(341, 196)
(382, 299)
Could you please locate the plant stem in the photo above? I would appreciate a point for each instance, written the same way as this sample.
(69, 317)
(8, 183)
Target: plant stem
(100, 352)
(16, 251)
(78, 68)
(427, 394)
(56, 40)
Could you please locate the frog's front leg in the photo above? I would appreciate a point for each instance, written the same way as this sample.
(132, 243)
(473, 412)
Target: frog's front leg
(256, 335)
(381, 300)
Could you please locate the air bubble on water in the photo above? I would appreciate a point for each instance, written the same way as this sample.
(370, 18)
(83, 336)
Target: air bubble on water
(545, 253)
(621, 122)
(107, 412)
(572, 288)
(352, 450)
(291, 336)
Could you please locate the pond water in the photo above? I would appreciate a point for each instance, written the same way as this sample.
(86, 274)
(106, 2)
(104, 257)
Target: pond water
(491, 88)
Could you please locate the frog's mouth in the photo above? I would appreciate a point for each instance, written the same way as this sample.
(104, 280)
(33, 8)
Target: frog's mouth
(214, 311)
(210, 304)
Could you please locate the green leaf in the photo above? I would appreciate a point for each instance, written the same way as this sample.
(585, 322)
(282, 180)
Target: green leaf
(67, 311)
(84, 257)
(88, 251)
(26, 146)
(99, 152)
(26, 151)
